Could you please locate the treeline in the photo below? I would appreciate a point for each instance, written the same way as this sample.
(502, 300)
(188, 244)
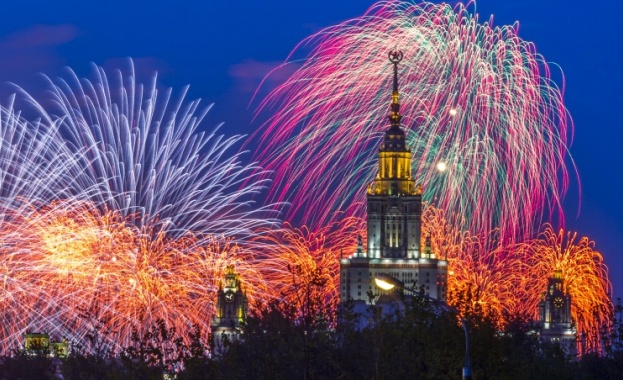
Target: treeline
(281, 341)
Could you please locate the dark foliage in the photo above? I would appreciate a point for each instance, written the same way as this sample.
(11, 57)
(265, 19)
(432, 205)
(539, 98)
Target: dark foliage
(279, 341)
(36, 364)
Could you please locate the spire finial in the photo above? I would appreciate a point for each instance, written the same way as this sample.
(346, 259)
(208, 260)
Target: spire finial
(395, 56)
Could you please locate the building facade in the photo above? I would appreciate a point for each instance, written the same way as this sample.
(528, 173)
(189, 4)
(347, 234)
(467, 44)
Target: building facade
(394, 223)
(35, 343)
(555, 322)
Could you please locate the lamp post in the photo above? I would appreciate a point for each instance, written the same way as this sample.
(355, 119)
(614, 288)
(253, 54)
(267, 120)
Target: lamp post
(387, 282)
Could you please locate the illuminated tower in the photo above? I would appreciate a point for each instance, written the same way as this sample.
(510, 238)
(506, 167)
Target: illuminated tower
(231, 306)
(394, 222)
(555, 315)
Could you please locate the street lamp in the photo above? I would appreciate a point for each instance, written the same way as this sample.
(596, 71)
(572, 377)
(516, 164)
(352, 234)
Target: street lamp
(387, 282)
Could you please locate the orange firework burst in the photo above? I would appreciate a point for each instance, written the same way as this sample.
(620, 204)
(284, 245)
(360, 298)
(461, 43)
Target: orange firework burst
(303, 265)
(510, 280)
(486, 278)
(114, 206)
(69, 260)
(584, 274)
(446, 240)
(481, 275)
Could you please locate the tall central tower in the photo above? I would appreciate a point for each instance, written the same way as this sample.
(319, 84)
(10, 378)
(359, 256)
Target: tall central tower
(394, 222)
(394, 201)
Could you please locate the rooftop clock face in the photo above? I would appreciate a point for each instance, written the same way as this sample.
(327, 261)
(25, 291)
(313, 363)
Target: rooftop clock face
(558, 302)
(229, 297)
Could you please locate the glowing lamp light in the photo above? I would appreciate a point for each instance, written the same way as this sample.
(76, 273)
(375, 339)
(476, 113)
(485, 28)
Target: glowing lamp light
(442, 167)
(387, 282)
(383, 285)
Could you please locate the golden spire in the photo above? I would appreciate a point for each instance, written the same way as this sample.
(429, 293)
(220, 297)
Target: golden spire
(394, 171)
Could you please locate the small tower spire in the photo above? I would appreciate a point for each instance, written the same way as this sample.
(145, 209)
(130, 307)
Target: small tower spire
(395, 56)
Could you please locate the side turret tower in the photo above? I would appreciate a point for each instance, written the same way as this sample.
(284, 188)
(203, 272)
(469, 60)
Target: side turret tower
(231, 306)
(555, 315)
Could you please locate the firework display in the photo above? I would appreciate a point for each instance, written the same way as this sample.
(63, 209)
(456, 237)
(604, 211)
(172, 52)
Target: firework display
(137, 150)
(475, 97)
(584, 274)
(117, 211)
(301, 264)
(114, 207)
(489, 134)
(510, 280)
(30, 157)
(72, 270)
